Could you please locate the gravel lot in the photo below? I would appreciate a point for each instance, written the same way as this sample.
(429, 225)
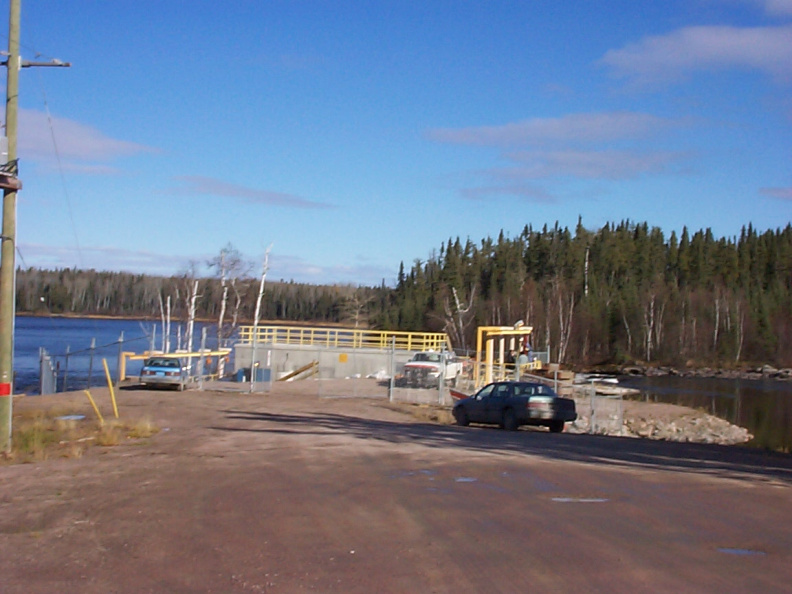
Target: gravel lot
(289, 492)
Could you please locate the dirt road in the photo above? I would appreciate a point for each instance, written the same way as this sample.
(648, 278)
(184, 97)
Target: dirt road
(292, 493)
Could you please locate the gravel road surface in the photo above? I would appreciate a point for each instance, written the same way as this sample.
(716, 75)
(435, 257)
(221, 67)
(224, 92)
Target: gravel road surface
(293, 493)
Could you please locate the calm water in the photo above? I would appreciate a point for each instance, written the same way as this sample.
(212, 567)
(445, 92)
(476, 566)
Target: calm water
(764, 407)
(73, 335)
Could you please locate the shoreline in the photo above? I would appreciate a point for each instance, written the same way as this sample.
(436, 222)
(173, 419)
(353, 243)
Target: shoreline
(749, 372)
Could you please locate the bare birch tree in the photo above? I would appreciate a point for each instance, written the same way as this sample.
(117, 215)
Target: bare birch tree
(458, 317)
(566, 308)
(355, 308)
(264, 270)
(228, 266)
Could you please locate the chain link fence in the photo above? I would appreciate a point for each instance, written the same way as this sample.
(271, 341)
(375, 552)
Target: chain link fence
(601, 414)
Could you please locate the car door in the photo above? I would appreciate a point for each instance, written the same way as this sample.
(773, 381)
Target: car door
(496, 403)
(475, 407)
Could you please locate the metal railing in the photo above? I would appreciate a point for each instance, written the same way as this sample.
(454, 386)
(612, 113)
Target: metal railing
(345, 338)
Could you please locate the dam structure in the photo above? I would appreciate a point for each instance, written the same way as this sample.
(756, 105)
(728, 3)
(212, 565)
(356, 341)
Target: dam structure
(280, 352)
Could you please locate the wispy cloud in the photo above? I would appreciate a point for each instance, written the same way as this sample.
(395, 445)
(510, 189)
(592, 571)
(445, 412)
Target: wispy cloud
(79, 147)
(605, 164)
(776, 7)
(528, 192)
(579, 128)
(576, 146)
(289, 267)
(202, 185)
(282, 266)
(672, 57)
(100, 258)
(779, 193)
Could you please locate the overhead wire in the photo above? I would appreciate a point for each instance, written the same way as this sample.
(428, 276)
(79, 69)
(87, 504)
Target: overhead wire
(64, 186)
(67, 197)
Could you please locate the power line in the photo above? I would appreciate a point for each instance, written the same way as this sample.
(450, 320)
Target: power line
(60, 170)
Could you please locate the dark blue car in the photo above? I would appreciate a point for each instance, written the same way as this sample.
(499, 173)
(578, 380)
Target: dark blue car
(511, 404)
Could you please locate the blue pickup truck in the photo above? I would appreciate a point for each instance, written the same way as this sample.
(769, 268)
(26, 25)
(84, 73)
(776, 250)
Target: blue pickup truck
(511, 404)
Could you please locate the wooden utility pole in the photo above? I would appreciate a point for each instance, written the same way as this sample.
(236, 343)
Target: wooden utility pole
(10, 183)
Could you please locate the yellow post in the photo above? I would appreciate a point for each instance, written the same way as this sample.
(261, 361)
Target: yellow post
(110, 385)
(96, 409)
(122, 367)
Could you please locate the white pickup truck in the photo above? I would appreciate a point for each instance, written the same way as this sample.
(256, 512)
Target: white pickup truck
(424, 369)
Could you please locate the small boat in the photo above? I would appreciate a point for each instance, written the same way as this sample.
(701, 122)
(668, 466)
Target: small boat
(457, 395)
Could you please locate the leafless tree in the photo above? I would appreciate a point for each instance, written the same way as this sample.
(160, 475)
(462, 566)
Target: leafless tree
(228, 266)
(355, 309)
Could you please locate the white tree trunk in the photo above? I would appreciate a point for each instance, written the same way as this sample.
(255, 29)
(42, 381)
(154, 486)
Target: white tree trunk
(223, 301)
(264, 270)
(167, 337)
(191, 317)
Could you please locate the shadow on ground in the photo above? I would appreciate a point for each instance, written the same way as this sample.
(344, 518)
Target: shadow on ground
(712, 460)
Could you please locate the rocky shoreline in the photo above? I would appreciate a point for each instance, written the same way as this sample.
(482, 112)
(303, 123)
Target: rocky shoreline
(667, 422)
(759, 373)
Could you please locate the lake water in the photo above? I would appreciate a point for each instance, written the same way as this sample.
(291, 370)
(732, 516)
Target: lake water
(764, 407)
(60, 336)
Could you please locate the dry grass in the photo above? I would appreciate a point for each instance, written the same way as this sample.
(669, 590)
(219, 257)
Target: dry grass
(432, 413)
(60, 433)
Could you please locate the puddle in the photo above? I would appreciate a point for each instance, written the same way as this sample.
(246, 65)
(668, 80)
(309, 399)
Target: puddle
(70, 418)
(742, 552)
(407, 473)
(580, 500)
(465, 479)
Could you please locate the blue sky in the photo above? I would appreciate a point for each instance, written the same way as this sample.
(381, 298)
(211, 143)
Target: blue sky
(351, 136)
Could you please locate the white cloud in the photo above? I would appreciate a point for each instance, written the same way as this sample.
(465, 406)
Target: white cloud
(573, 128)
(80, 147)
(197, 184)
(666, 58)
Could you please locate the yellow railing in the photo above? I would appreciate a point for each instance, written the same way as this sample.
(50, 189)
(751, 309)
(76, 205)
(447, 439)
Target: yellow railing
(348, 338)
(503, 372)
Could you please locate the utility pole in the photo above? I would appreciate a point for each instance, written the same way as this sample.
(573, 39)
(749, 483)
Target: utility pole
(10, 183)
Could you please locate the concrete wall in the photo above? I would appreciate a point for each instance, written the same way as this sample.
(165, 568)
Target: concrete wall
(333, 363)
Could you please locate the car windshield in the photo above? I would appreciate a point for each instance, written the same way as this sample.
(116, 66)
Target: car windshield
(162, 362)
(484, 392)
(432, 357)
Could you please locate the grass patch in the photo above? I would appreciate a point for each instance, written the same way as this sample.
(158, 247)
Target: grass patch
(432, 413)
(45, 434)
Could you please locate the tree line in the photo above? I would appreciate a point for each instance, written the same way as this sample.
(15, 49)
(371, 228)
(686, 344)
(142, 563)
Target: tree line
(622, 293)
(619, 294)
(91, 292)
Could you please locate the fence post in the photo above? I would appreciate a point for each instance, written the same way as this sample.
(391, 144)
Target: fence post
(66, 368)
(48, 378)
(90, 362)
(41, 370)
(119, 362)
(441, 387)
(201, 359)
(392, 368)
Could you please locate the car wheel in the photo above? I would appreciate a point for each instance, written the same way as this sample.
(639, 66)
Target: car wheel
(509, 420)
(556, 426)
(461, 417)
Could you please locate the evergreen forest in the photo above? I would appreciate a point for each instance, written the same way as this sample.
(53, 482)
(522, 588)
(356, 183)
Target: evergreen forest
(623, 293)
